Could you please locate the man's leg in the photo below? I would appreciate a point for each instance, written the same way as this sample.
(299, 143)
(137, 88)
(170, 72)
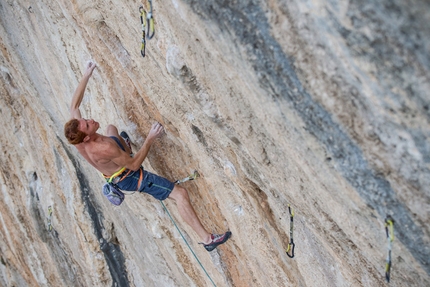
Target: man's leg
(111, 130)
(186, 210)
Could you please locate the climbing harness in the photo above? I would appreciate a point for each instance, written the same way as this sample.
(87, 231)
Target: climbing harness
(109, 179)
(148, 29)
(389, 230)
(192, 176)
(112, 192)
(122, 174)
(291, 244)
(49, 218)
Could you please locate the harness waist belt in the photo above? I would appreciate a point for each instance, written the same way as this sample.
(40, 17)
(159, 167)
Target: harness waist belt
(109, 179)
(123, 173)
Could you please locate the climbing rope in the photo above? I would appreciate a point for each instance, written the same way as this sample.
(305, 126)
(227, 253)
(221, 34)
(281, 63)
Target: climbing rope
(189, 247)
(190, 177)
(291, 244)
(148, 29)
(389, 230)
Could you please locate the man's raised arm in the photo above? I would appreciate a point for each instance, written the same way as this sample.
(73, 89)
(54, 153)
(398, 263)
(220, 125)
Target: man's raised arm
(133, 163)
(80, 90)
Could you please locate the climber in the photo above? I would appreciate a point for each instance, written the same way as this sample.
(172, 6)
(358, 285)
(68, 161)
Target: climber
(111, 155)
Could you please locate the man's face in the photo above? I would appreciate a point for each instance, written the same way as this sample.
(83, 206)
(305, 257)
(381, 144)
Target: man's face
(89, 127)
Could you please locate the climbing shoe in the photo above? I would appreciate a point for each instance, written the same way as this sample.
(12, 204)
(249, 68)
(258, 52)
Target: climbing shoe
(217, 239)
(126, 138)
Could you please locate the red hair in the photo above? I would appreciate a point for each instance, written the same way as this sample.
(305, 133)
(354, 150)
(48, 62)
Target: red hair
(73, 135)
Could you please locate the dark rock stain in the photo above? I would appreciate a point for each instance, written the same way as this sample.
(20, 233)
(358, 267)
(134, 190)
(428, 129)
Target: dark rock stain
(112, 252)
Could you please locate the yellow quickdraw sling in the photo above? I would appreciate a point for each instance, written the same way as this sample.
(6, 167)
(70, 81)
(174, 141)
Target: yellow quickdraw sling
(291, 245)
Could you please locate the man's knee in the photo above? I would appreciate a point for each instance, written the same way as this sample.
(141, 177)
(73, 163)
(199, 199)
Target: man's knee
(111, 130)
(179, 193)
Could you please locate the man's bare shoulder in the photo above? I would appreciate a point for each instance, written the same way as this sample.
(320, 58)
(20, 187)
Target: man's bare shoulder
(103, 150)
(106, 145)
(102, 146)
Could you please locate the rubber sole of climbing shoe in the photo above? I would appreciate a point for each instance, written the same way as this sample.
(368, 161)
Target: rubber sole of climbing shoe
(217, 241)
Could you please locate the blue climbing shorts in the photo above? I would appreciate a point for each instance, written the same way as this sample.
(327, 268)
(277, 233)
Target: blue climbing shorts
(157, 186)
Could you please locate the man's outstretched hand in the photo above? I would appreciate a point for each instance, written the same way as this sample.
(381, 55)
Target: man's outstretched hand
(156, 131)
(135, 162)
(90, 68)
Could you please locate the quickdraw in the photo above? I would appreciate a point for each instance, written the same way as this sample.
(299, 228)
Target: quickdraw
(389, 230)
(148, 28)
(49, 218)
(192, 176)
(291, 244)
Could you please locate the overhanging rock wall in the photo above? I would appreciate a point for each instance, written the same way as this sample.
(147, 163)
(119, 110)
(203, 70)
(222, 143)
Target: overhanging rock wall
(323, 105)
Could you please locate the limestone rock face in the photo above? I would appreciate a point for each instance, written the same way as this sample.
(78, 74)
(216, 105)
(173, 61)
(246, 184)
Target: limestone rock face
(320, 105)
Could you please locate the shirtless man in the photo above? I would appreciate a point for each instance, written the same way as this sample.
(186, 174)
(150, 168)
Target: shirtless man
(110, 155)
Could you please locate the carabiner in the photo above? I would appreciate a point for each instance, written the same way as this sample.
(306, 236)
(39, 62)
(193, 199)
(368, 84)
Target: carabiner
(142, 15)
(192, 176)
(50, 218)
(389, 231)
(150, 22)
(291, 244)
